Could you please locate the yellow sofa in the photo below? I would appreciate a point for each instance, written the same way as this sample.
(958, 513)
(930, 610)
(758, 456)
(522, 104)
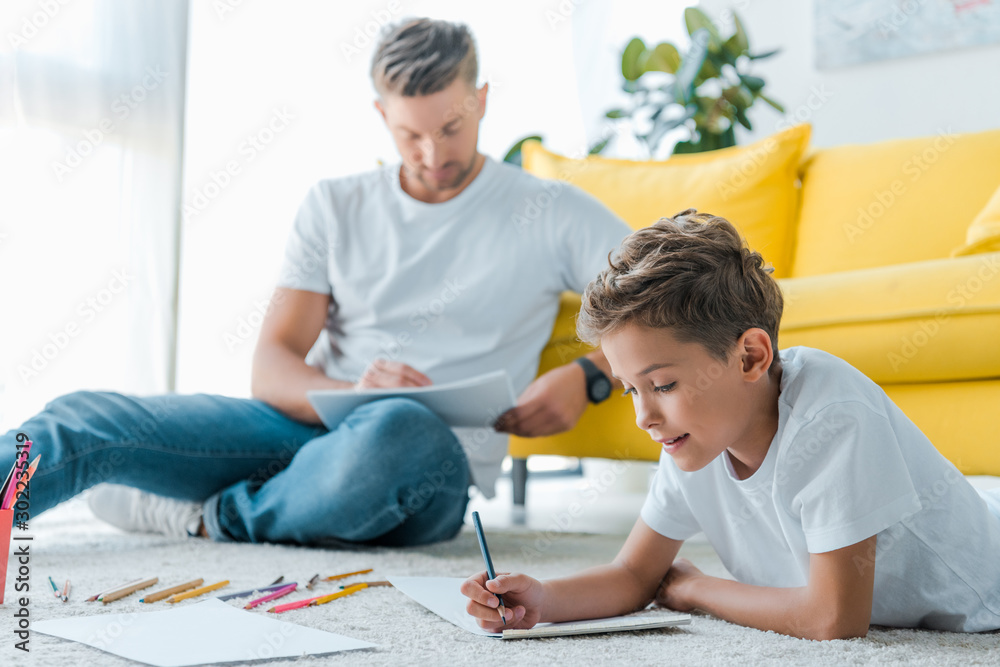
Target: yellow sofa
(888, 256)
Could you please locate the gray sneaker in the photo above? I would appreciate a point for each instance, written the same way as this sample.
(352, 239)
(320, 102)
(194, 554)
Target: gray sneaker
(138, 511)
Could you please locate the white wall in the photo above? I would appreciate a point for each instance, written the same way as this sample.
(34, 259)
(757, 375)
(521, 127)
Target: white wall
(907, 97)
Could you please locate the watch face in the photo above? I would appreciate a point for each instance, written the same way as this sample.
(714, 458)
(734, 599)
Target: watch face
(600, 389)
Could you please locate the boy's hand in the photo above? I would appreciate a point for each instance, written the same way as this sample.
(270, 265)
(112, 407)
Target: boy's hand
(674, 591)
(522, 597)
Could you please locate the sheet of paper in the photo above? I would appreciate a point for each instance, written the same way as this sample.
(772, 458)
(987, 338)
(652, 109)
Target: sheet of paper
(442, 596)
(474, 402)
(205, 633)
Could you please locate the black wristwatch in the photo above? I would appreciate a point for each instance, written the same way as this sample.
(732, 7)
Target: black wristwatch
(598, 384)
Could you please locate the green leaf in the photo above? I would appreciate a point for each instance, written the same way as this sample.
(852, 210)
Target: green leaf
(690, 66)
(754, 83)
(663, 58)
(696, 20)
(598, 147)
(773, 103)
(513, 156)
(766, 54)
(630, 59)
(740, 36)
(709, 70)
(742, 118)
(732, 48)
(615, 113)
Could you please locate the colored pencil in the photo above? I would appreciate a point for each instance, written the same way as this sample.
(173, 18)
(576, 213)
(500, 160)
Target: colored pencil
(312, 582)
(127, 590)
(323, 599)
(20, 461)
(368, 584)
(349, 574)
(94, 598)
(65, 592)
(243, 594)
(280, 593)
(31, 471)
(310, 602)
(288, 606)
(277, 581)
(55, 589)
(196, 592)
(167, 592)
(489, 561)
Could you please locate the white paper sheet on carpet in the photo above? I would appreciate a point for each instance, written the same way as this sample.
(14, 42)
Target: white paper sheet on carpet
(209, 632)
(442, 596)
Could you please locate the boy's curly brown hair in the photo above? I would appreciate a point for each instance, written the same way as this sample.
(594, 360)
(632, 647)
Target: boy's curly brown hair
(693, 274)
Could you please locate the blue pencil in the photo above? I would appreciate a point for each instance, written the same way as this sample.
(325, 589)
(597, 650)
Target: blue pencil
(489, 561)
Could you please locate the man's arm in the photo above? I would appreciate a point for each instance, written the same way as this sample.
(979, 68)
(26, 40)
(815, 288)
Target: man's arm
(280, 375)
(835, 604)
(554, 402)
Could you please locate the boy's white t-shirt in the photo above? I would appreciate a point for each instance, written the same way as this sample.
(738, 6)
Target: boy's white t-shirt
(453, 289)
(845, 464)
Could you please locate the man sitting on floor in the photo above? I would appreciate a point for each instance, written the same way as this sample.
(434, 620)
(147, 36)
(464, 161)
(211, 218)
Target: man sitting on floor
(420, 272)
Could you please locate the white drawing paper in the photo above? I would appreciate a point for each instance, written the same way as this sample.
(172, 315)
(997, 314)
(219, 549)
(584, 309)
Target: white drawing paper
(209, 632)
(442, 596)
(473, 402)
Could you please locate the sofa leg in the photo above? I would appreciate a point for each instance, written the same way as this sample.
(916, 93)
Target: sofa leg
(519, 478)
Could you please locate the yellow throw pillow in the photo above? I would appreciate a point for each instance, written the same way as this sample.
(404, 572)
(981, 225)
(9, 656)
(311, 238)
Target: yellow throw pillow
(983, 234)
(754, 187)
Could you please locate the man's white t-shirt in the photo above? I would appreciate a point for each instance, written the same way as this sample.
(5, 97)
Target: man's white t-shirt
(845, 464)
(453, 289)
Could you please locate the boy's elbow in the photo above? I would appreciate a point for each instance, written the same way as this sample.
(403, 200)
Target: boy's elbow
(841, 627)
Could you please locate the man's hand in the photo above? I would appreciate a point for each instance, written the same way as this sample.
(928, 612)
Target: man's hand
(553, 403)
(673, 591)
(386, 374)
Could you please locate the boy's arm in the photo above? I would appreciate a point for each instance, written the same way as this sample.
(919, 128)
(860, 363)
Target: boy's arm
(626, 584)
(835, 604)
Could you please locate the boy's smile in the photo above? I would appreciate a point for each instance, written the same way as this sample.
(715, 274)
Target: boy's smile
(695, 405)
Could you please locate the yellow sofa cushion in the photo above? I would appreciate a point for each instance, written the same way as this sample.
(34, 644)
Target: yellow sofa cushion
(753, 186)
(892, 202)
(930, 321)
(984, 232)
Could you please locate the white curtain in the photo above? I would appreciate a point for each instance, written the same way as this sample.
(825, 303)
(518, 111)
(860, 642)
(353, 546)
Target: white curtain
(91, 136)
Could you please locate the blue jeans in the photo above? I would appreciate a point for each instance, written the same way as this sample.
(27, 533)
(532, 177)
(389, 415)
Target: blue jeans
(392, 473)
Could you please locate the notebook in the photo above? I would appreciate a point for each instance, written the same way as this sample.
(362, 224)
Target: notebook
(442, 596)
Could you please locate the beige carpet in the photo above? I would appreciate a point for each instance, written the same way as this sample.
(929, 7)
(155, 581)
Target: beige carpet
(69, 542)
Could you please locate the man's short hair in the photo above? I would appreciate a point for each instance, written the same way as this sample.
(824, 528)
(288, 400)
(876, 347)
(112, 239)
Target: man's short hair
(692, 274)
(424, 56)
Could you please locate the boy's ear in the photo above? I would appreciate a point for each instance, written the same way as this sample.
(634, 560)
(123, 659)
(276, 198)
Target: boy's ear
(754, 348)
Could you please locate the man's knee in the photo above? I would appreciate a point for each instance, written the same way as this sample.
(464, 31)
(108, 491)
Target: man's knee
(405, 420)
(83, 402)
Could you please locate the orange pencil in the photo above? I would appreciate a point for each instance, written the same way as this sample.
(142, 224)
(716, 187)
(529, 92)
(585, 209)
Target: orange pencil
(339, 594)
(196, 592)
(349, 574)
(309, 602)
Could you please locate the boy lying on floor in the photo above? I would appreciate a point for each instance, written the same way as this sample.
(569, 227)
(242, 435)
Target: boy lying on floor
(826, 503)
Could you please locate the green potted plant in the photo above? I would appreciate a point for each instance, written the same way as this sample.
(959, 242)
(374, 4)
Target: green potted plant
(707, 90)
